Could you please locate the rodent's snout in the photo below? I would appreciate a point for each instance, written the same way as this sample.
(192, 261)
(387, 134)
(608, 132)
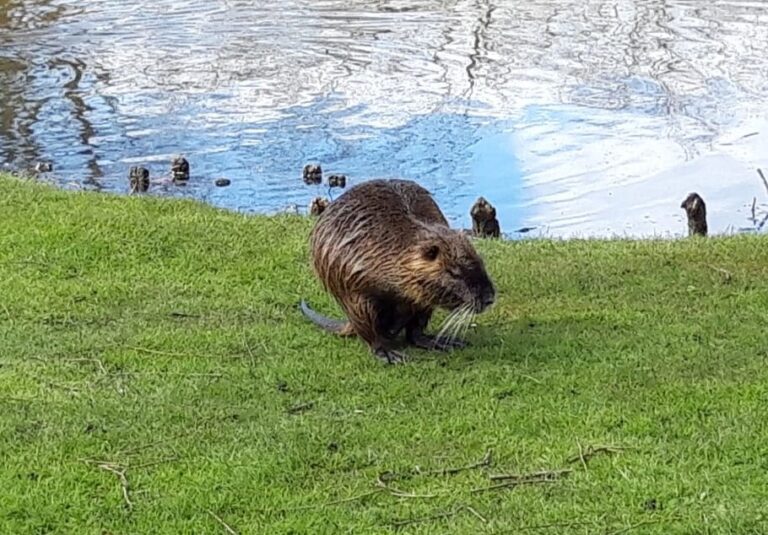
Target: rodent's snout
(489, 298)
(486, 298)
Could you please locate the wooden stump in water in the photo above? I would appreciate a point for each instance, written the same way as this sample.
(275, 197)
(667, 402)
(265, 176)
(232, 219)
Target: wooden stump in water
(337, 181)
(138, 178)
(180, 169)
(696, 211)
(313, 174)
(43, 167)
(318, 206)
(484, 222)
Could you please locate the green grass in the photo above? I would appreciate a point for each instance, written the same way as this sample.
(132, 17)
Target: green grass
(164, 337)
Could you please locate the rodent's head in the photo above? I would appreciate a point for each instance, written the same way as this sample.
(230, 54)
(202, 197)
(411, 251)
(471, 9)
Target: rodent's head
(443, 269)
(482, 210)
(693, 204)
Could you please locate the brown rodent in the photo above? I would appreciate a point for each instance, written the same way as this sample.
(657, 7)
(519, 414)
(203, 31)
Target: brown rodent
(484, 222)
(696, 211)
(384, 250)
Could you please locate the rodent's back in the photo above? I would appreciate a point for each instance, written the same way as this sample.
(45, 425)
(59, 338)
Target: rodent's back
(367, 226)
(387, 202)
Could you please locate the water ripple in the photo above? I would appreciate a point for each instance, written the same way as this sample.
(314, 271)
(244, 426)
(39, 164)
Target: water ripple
(578, 118)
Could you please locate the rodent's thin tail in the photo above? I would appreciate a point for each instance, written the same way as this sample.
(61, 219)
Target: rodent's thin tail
(342, 328)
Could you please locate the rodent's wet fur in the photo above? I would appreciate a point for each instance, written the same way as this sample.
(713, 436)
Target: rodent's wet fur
(696, 211)
(385, 251)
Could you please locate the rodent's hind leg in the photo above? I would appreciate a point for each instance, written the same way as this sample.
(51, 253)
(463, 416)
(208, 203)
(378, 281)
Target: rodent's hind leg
(365, 316)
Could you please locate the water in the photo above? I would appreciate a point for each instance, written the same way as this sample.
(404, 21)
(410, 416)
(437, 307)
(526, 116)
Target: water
(572, 117)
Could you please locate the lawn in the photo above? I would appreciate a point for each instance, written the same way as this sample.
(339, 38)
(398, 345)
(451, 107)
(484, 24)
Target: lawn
(156, 377)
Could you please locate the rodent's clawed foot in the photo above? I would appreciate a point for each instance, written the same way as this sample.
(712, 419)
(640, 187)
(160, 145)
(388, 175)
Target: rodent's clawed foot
(456, 343)
(389, 356)
(425, 341)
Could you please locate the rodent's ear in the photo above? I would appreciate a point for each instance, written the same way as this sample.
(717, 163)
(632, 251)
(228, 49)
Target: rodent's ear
(431, 252)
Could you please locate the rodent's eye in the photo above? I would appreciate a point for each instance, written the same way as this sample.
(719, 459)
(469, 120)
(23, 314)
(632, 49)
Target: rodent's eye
(431, 252)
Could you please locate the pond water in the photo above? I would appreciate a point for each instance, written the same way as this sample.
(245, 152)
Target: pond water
(573, 117)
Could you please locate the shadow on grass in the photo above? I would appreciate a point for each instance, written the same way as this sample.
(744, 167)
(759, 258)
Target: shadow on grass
(547, 342)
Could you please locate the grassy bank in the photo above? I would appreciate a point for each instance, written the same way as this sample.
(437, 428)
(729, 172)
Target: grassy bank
(161, 340)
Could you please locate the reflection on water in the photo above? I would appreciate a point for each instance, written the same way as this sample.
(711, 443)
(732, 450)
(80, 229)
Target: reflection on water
(573, 117)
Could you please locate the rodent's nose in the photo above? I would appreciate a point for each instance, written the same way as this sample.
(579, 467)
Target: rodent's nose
(488, 297)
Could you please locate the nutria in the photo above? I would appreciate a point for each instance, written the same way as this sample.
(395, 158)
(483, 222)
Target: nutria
(696, 211)
(180, 169)
(384, 250)
(484, 222)
(318, 206)
(312, 174)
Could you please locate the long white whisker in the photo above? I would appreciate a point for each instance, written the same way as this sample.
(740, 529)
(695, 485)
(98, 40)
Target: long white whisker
(442, 327)
(447, 324)
(457, 325)
(450, 332)
(470, 319)
(467, 321)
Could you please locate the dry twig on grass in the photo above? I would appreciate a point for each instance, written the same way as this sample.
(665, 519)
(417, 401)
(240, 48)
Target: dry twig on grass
(581, 456)
(122, 473)
(183, 315)
(480, 517)
(119, 471)
(401, 494)
(509, 481)
(585, 455)
(533, 477)
(553, 525)
(419, 520)
(633, 527)
(381, 488)
(485, 462)
(168, 353)
(251, 356)
(440, 516)
(727, 275)
(215, 375)
(301, 407)
(351, 499)
(223, 524)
